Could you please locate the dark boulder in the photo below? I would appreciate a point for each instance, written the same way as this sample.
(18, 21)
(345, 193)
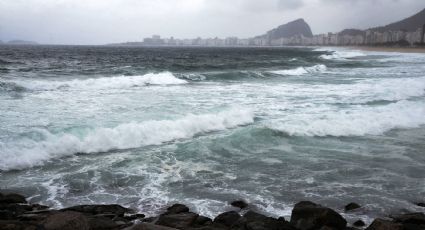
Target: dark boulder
(99, 209)
(148, 226)
(180, 220)
(381, 224)
(255, 221)
(66, 221)
(351, 206)
(135, 216)
(12, 198)
(100, 223)
(177, 208)
(239, 204)
(227, 219)
(359, 223)
(307, 215)
(202, 221)
(421, 204)
(411, 218)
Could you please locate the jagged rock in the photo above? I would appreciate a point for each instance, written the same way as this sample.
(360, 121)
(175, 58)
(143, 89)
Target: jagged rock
(100, 223)
(381, 224)
(67, 220)
(6, 215)
(100, 209)
(255, 221)
(177, 208)
(351, 206)
(411, 218)
(239, 204)
(202, 221)
(227, 219)
(148, 226)
(359, 223)
(180, 220)
(307, 215)
(17, 225)
(12, 198)
(135, 216)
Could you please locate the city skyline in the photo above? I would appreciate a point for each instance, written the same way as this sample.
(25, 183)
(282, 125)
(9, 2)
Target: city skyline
(102, 22)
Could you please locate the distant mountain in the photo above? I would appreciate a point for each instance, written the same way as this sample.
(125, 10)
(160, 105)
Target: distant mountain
(409, 24)
(291, 29)
(21, 42)
(352, 32)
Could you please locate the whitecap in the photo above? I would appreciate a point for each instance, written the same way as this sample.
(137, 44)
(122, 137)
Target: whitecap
(164, 78)
(301, 70)
(28, 152)
(357, 121)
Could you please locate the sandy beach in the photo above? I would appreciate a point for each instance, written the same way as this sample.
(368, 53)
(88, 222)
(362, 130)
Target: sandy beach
(390, 49)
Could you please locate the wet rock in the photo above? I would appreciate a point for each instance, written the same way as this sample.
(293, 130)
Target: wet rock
(12, 198)
(39, 207)
(99, 223)
(239, 204)
(307, 215)
(99, 209)
(202, 221)
(255, 221)
(351, 206)
(135, 216)
(67, 220)
(381, 224)
(411, 218)
(177, 208)
(17, 225)
(180, 220)
(421, 204)
(148, 226)
(359, 223)
(6, 215)
(227, 219)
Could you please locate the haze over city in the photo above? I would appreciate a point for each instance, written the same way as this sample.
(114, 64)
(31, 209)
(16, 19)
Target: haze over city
(101, 22)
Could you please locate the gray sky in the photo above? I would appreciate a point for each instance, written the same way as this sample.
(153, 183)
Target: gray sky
(105, 21)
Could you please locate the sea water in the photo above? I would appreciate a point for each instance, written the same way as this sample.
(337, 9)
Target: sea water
(148, 127)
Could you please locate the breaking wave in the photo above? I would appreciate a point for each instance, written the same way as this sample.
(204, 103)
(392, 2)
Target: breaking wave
(164, 78)
(11, 87)
(28, 152)
(358, 121)
(301, 70)
(339, 54)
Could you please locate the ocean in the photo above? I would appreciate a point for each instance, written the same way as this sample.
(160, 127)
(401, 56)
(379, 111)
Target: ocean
(149, 127)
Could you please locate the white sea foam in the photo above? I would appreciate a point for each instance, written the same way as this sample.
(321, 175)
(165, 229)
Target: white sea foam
(164, 78)
(27, 152)
(357, 121)
(300, 70)
(339, 53)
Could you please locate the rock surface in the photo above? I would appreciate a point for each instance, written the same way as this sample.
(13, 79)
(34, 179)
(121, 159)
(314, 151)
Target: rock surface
(16, 213)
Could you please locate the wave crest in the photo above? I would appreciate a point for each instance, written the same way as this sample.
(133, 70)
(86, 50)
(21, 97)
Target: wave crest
(301, 70)
(354, 122)
(27, 152)
(164, 78)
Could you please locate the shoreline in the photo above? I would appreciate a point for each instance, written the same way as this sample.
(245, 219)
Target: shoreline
(389, 49)
(17, 213)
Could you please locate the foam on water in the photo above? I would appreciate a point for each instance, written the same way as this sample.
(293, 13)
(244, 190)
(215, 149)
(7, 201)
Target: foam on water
(340, 53)
(164, 78)
(28, 152)
(301, 70)
(357, 121)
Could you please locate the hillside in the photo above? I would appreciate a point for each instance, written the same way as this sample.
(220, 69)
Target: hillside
(297, 27)
(409, 24)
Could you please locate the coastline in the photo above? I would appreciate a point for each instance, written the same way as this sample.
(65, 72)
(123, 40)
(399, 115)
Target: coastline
(389, 49)
(17, 213)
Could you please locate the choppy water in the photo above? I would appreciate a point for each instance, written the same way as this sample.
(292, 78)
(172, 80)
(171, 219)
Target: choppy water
(146, 127)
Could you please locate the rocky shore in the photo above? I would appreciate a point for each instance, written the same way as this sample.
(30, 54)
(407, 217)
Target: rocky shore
(17, 213)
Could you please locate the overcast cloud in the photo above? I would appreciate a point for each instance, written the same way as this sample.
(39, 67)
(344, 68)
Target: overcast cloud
(105, 21)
